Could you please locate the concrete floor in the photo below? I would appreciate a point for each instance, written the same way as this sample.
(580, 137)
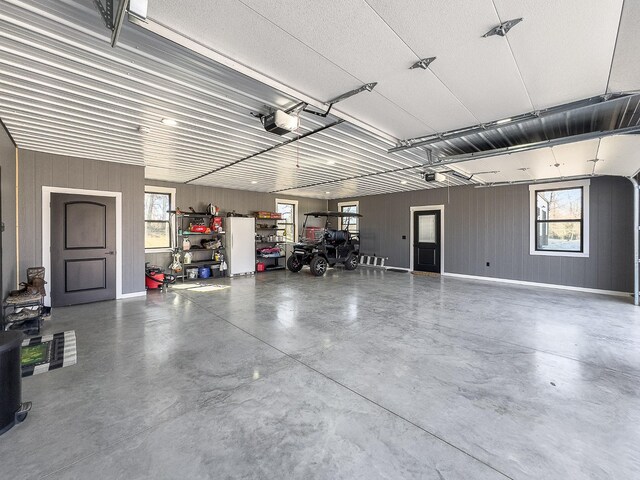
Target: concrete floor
(363, 374)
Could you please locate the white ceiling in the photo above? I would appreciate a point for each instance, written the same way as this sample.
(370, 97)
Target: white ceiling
(63, 89)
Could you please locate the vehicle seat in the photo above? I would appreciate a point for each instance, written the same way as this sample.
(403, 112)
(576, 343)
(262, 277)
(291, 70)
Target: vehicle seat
(337, 237)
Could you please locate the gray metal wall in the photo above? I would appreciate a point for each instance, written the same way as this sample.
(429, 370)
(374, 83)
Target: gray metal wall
(8, 202)
(492, 225)
(241, 201)
(37, 169)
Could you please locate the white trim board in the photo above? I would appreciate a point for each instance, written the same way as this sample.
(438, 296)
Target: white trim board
(585, 217)
(420, 209)
(172, 218)
(46, 231)
(143, 293)
(537, 284)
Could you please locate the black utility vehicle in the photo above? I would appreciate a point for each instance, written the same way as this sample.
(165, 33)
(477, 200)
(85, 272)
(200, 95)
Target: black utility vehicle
(320, 246)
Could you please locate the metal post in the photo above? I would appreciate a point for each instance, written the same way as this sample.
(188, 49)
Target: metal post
(636, 238)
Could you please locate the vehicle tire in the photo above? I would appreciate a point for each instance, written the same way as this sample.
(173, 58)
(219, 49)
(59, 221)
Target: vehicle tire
(294, 264)
(351, 263)
(318, 266)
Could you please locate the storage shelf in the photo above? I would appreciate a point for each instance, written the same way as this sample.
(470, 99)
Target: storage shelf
(192, 234)
(201, 262)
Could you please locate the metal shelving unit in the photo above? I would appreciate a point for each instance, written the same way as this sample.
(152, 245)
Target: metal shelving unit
(269, 228)
(182, 232)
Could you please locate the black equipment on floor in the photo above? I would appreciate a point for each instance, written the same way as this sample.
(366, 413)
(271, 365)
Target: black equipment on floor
(12, 410)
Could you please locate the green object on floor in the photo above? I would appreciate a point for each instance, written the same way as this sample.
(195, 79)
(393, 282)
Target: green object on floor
(34, 354)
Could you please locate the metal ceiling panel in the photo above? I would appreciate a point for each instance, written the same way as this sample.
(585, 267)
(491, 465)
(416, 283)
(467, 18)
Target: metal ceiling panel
(380, 184)
(333, 27)
(232, 28)
(64, 90)
(480, 72)
(423, 95)
(625, 69)
(620, 155)
(563, 49)
(594, 117)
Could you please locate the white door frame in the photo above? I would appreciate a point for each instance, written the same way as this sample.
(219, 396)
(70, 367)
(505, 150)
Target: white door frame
(412, 210)
(46, 231)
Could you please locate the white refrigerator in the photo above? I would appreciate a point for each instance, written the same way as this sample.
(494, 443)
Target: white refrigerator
(241, 245)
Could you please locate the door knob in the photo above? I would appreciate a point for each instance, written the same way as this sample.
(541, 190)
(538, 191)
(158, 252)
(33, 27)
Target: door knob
(110, 253)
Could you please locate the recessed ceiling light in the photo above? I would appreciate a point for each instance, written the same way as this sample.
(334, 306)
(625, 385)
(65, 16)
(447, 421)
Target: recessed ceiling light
(403, 182)
(169, 121)
(331, 162)
(254, 181)
(327, 193)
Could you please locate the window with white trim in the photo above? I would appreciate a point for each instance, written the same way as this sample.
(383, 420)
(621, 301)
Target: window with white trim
(158, 223)
(288, 224)
(560, 219)
(351, 224)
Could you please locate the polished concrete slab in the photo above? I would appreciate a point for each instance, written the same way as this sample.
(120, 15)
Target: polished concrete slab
(364, 374)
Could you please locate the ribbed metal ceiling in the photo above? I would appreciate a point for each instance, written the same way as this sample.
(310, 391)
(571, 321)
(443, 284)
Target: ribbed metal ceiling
(599, 115)
(64, 90)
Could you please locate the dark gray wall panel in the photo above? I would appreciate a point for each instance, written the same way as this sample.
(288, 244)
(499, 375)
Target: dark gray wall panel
(38, 169)
(241, 201)
(492, 225)
(8, 203)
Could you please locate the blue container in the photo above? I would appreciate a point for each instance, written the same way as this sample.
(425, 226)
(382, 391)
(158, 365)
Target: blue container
(204, 272)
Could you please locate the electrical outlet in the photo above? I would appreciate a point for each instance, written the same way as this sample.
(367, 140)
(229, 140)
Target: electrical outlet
(404, 237)
(488, 264)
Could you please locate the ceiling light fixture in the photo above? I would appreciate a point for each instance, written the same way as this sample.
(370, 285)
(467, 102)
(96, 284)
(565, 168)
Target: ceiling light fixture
(169, 121)
(327, 193)
(423, 63)
(504, 120)
(403, 182)
(331, 162)
(254, 182)
(502, 29)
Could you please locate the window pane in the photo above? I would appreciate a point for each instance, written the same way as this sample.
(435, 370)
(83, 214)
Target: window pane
(287, 210)
(559, 204)
(350, 224)
(157, 235)
(156, 206)
(563, 236)
(427, 228)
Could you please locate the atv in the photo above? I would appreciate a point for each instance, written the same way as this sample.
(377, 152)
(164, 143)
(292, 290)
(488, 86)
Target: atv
(321, 246)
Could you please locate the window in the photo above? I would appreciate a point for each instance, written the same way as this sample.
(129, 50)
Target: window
(288, 225)
(158, 226)
(351, 224)
(560, 219)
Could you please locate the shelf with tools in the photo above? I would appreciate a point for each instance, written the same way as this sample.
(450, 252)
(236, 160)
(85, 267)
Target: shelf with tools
(188, 256)
(269, 238)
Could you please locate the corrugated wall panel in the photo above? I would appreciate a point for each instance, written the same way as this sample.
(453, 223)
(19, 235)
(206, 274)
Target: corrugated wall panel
(42, 169)
(8, 204)
(199, 196)
(492, 224)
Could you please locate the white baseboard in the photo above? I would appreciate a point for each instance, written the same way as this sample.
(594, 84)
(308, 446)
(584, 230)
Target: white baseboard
(387, 267)
(132, 295)
(537, 284)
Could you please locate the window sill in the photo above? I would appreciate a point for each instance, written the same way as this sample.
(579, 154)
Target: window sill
(560, 254)
(158, 250)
